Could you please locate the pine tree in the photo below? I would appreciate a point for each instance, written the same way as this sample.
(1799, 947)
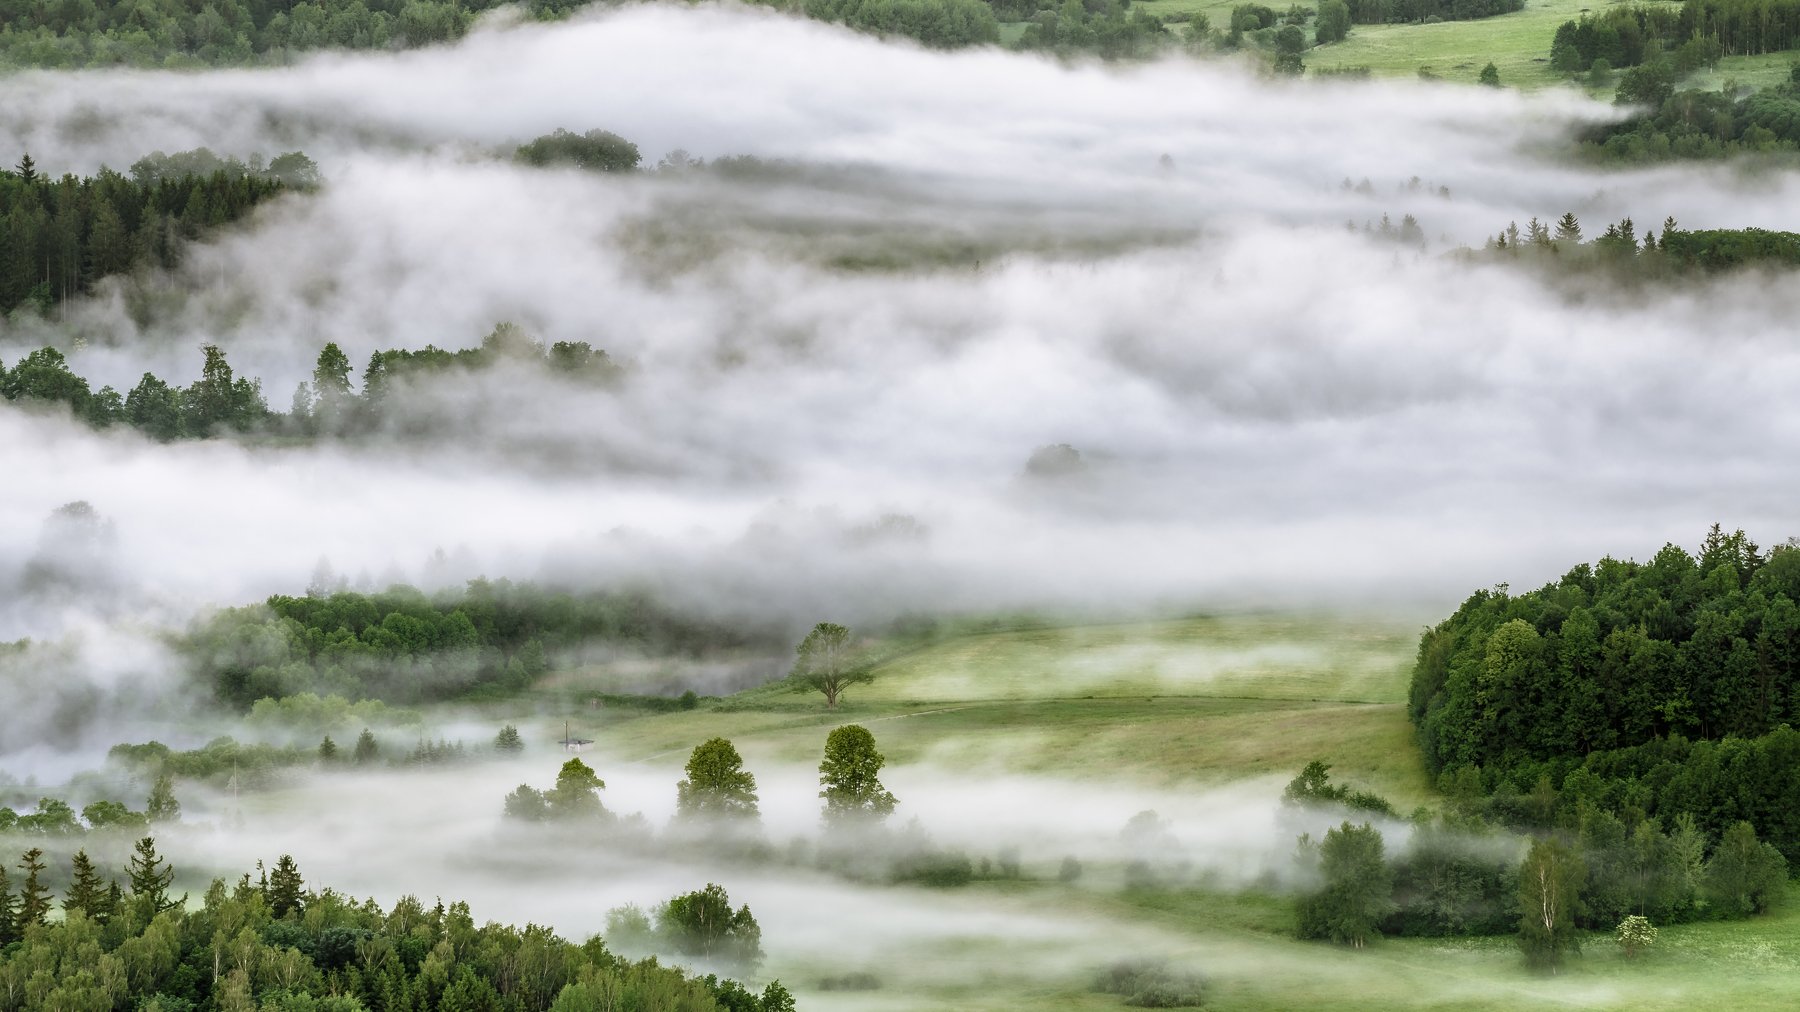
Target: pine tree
(27, 170)
(328, 750)
(1568, 229)
(508, 740)
(284, 887)
(150, 878)
(86, 893)
(9, 910)
(366, 748)
(34, 895)
(162, 806)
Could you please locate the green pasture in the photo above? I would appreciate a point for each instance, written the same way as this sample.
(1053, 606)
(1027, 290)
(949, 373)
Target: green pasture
(1169, 704)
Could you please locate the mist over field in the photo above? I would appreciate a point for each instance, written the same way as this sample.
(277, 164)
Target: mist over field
(968, 334)
(1252, 388)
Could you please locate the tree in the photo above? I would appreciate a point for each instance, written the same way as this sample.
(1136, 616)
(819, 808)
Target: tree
(1549, 901)
(1358, 887)
(828, 662)
(162, 806)
(508, 740)
(1333, 23)
(366, 748)
(332, 395)
(9, 911)
(328, 750)
(1490, 75)
(1568, 229)
(577, 792)
(717, 785)
(1744, 875)
(34, 895)
(150, 878)
(527, 804)
(86, 895)
(284, 888)
(702, 923)
(596, 150)
(853, 794)
(1635, 934)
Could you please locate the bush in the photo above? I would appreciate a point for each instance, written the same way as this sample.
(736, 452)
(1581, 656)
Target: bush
(1147, 983)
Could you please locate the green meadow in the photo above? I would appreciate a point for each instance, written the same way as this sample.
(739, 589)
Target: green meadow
(1176, 705)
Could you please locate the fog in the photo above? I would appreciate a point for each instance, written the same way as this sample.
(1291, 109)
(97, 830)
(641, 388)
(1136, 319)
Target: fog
(835, 371)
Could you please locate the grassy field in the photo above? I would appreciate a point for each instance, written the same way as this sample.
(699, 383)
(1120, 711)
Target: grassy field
(1170, 705)
(1518, 44)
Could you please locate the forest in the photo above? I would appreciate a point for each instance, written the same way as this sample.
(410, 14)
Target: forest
(1664, 690)
(277, 945)
(404, 646)
(64, 234)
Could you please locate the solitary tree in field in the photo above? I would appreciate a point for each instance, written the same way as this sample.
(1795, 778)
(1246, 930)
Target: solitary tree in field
(1549, 901)
(1635, 935)
(1490, 75)
(717, 785)
(853, 793)
(829, 662)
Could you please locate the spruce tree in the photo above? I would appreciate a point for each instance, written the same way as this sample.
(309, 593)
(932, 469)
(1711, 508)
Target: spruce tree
(366, 748)
(86, 893)
(328, 750)
(9, 908)
(34, 895)
(150, 878)
(284, 887)
(508, 740)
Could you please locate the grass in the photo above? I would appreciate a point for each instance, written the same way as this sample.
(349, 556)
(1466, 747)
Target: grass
(1197, 701)
(1518, 44)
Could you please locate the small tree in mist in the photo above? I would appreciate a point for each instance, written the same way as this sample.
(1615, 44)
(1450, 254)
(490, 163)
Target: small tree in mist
(1550, 883)
(508, 740)
(328, 750)
(829, 662)
(366, 748)
(1358, 889)
(284, 890)
(162, 806)
(852, 790)
(702, 923)
(717, 785)
(576, 794)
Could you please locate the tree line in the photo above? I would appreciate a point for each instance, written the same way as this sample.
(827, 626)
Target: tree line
(403, 645)
(1584, 869)
(1694, 123)
(1621, 251)
(1658, 689)
(61, 235)
(275, 945)
(221, 402)
(1695, 35)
